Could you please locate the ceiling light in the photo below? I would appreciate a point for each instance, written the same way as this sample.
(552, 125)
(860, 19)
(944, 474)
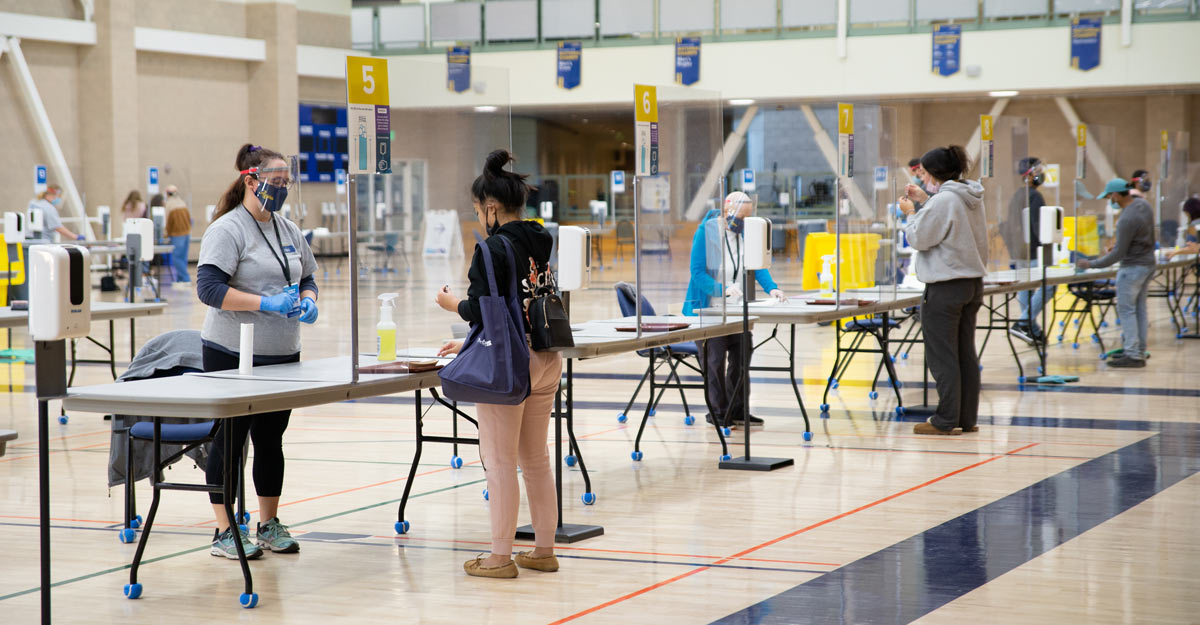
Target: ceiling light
(486, 109)
(1003, 94)
(741, 102)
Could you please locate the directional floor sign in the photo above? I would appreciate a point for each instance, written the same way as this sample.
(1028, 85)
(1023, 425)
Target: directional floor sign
(368, 115)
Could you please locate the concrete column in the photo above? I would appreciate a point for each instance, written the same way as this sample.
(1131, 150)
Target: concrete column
(108, 116)
(274, 87)
(908, 132)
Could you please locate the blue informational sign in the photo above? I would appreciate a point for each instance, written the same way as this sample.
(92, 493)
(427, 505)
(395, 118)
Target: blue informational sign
(570, 58)
(152, 180)
(458, 68)
(687, 60)
(748, 180)
(618, 181)
(947, 48)
(1085, 43)
(339, 177)
(881, 178)
(39, 179)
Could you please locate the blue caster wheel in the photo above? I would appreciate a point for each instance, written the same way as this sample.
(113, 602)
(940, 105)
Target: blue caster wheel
(1042, 370)
(981, 367)
(456, 462)
(244, 528)
(689, 420)
(1076, 322)
(726, 458)
(726, 432)
(127, 535)
(1103, 324)
(1060, 338)
(136, 522)
(637, 456)
(904, 356)
(571, 461)
(899, 384)
(1118, 321)
(900, 411)
(808, 436)
(248, 600)
(133, 591)
(621, 418)
(1074, 345)
(402, 527)
(873, 395)
(1104, 356)
(1095, 338)
(835, 383)
(824, 407)
(588, 499)
(892, 358)
(1062, 324)
(244, 518)
(63, 419)
(485, 494)
(653, 411)
(1020, 379)
(1179, 336)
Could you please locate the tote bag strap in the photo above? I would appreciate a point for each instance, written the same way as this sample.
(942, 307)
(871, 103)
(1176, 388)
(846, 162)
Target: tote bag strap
(487, 264)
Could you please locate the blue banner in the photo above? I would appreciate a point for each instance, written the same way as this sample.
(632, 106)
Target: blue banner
(1085, 43)
(570, 58)
(458, 68)
(947, 47)
(687, 60)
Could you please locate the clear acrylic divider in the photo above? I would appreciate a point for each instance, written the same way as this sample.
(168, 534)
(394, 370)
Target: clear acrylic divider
(1088, 224)
(1006, 200)
(1173, 193)
(679, 216)
(418, 220)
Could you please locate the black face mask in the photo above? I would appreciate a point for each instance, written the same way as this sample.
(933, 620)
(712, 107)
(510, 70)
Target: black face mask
(736, 225)
(1038, 179)
(493, 227)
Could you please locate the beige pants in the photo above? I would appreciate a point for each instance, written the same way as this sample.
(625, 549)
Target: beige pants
(512, 436)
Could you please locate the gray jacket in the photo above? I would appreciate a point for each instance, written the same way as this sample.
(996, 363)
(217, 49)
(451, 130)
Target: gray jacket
(950, 234)
(1135, 237)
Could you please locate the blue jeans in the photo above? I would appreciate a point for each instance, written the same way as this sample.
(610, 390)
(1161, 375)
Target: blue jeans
(179, 257)
(1133, 287)
(1035, 300)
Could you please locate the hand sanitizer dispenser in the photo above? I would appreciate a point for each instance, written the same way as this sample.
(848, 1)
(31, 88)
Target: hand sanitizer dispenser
(158, 216)
(1050, 226)
(60, 292)
(145, 229)
(37, 222)
(757, 234)
(574, 258)
(14, 227)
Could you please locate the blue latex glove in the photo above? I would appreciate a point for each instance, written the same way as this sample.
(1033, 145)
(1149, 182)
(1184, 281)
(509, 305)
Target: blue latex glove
(79, 237)
(308, 310)
(280, 303)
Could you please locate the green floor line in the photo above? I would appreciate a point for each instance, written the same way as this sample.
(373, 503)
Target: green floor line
(187, 551)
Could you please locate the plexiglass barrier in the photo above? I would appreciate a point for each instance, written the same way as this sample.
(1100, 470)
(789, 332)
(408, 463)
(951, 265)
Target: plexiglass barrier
(1006, 198)
(1088, 225)
(1173, 191)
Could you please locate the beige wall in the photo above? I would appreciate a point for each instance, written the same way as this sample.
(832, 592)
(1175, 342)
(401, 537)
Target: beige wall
(69, 9)
(197, 16)
(323, 29)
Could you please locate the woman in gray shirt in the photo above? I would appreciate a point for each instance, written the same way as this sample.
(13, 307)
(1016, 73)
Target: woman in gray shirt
(255, 267)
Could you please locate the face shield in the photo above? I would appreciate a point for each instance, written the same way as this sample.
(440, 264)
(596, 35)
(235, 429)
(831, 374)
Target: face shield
(274, 183)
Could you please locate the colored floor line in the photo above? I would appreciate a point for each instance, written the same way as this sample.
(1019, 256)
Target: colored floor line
(908, 580)
(784, 537)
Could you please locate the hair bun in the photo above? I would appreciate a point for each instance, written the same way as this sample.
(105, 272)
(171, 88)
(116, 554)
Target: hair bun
(496, 161)
(243, 154)
(960, 156)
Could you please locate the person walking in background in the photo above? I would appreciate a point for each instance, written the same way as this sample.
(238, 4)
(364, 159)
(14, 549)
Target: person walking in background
(951, 240)
(1134, 249)
(48, 202)
(179, 232)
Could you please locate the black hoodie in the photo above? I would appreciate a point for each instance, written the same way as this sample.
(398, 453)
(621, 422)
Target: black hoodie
(531, 245)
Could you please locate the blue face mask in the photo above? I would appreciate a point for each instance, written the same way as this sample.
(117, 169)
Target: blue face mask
(270, 196)
(56, 201)
(736, 225)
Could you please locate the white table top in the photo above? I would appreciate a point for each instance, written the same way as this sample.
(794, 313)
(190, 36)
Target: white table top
(101, 311)
(601, 338)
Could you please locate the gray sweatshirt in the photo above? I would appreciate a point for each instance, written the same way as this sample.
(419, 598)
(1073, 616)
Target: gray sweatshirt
(1135, 237)
(950, 234)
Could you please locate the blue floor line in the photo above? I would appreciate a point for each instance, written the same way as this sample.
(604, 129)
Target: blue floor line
(903, 582)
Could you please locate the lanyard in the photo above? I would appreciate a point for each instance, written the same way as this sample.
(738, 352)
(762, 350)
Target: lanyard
(287, 273)
(734, 257)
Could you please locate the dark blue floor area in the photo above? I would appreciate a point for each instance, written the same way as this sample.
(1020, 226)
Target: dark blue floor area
(916, 576)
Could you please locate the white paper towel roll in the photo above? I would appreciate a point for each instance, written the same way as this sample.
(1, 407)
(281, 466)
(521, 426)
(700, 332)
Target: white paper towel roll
(246, 350)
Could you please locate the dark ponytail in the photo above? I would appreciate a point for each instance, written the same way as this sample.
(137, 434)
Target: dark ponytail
(948, 163)
(507, 187)
(248, 156)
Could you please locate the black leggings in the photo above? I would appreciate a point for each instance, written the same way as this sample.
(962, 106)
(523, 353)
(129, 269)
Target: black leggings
(265, 429)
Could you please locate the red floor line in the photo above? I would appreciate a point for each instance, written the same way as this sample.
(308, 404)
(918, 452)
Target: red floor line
(779, 539)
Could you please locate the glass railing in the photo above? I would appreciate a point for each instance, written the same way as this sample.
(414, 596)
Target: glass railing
(422, 27)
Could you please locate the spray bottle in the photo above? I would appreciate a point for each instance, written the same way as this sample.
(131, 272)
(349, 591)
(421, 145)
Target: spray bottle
(827, 275)
(385, 330)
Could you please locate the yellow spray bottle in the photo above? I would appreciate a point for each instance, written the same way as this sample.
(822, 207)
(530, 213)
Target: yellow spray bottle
(385, 330)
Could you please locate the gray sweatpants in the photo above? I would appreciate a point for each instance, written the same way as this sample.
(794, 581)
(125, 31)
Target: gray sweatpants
(948, 312)
(1133, 287)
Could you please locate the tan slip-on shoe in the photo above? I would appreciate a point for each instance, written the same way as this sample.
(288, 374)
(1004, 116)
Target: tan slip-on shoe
(475, 568)
(928, 428)
(549, 563)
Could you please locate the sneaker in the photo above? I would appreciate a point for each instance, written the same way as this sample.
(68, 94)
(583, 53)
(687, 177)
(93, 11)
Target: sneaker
(1127, 363)
(223, 546)
(1022, 332)
(274, 535)
(753, 420)
(925, 427)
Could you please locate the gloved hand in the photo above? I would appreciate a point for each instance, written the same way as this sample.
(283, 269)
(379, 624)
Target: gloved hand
(308, 310)
(734, 292)
(778, 295)
(281, 303)
(79, 237)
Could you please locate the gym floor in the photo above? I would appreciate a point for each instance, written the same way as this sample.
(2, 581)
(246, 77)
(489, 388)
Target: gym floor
(1076, 503)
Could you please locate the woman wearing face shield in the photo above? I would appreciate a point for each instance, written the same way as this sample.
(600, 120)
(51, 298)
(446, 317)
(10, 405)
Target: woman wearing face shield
(255, 267)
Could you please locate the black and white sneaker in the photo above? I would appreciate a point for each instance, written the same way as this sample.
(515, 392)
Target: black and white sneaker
(1022, 332)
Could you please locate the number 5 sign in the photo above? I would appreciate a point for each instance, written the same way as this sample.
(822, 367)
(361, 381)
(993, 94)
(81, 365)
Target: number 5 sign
(368, 115)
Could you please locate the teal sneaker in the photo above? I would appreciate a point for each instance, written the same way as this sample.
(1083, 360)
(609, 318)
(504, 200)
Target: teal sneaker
(274, 535)
(223, 546)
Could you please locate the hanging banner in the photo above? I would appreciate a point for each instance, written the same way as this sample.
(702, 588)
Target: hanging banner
(1164, 154)
(1081, 151)
(368, 115)
(458, 68)
(1085, 43)
(947, 47)
(39, 179)
(846, 140)
(987, 147)
(645, 112)
(687, 60)
(617, 178)
(570, 57)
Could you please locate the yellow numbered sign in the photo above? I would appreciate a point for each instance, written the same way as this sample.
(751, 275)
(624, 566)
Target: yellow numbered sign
(368, 117)
(845, 119)
(645, 103)
(366, 80)
(1081, 136)
(986, 128)
(1164, 143)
